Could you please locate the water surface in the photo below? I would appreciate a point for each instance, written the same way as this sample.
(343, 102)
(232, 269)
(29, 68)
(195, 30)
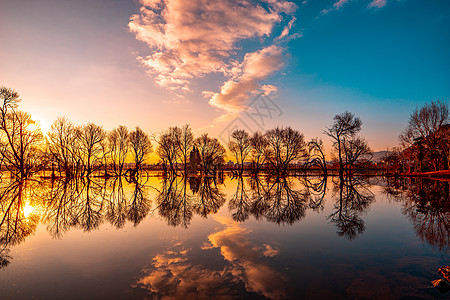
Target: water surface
(234, 238)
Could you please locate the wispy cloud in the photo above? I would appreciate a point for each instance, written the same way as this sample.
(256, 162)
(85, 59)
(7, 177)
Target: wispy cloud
(191, 39)
(377, 4)
(336, 6)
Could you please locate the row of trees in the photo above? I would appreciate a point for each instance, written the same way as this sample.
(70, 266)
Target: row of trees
(80, 150)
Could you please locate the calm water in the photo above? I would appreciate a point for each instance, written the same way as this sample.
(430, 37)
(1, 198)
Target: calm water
(249, 238)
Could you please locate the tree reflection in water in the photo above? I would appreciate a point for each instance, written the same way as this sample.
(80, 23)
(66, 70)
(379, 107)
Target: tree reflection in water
(426, 203)
(353, 198)
(177, 205)
(18, 218)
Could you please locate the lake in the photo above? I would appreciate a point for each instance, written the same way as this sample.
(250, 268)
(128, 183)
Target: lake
(200, 238)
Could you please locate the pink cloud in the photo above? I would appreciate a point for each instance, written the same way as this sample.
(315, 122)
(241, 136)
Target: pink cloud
(377, 4)
(336, 6)
(192, 39)
(256, 67)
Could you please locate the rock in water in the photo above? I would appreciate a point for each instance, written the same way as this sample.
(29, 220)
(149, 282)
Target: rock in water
(441, 285)
(445, 272)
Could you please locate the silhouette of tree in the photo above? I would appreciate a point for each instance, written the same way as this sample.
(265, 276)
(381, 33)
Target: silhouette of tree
(169, 147)
(427, 127)
(90, 137)
(212, 153)
(259, 145)
(316, 155)
(284, 145)
(356, 153)
(119, 144)
(186, 145)
(240, 146)
(21, 143)
(345, 126)
(62, 141)
(141, 147)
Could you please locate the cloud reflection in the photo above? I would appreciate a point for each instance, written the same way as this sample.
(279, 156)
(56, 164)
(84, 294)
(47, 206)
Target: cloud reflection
(172, 274)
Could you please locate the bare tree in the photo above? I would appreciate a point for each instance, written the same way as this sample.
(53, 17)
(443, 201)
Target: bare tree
(285, 145)
(259, 144)
(61, 140)
(119, 144)
(357, 153)
(345, 126)
(240, 146)
(90, 137)
(212, 153)
(141, 147)
(186, 144)
(22, 151)
(316, 155)
(428, 130)
(169, 144)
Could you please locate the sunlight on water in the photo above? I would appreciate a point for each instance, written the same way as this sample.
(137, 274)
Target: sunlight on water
(237, 238)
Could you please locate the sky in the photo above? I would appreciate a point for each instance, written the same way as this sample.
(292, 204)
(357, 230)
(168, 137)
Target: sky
(220, 65)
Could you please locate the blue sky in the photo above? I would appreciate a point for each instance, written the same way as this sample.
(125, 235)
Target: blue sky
(106, 61)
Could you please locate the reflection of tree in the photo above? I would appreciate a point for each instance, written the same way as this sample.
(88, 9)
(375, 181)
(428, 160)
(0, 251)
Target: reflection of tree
(274, 199)
(427, 205)
(139, 203)
(317, 188)
(61, 201)
(88, 212)
(116, 210)
(15, 223)
(239, 204)
(353, 200)
(209, 198)
(175, 205)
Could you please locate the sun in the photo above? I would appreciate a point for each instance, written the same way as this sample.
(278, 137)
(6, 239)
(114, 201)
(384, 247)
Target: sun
(27, 210)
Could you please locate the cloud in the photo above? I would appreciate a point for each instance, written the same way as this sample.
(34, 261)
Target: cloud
(336, 6)
(191, 39)
(377, 4)
(171, 275)
(257, 66)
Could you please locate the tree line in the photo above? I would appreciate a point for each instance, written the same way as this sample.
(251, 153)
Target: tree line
(72, 150)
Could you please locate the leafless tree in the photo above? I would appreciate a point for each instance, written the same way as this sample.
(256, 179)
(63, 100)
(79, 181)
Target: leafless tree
(169, 147)
(23, 142)
(61, 143)
(141, 147)
(345, 126)
(259, 145)
(212, 153)
(186, 145)
(119, 144)
(428, 129)
(357, 154)
(240, 146)
(285, 145)
(90, 137)
(316, 155)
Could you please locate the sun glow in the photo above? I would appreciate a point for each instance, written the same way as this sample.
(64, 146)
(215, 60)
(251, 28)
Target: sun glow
(27, 210)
